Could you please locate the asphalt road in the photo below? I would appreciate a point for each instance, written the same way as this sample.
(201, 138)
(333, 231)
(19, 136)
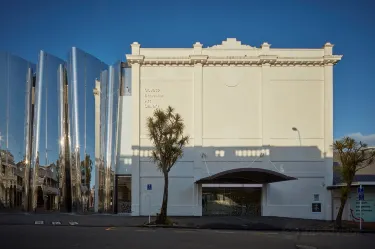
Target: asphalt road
(72, 237)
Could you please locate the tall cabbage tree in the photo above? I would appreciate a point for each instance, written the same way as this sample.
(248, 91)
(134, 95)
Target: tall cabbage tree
(353, 156)
(166, 131)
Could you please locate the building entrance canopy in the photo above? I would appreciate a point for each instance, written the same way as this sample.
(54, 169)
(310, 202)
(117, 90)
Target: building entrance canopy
(246, 176)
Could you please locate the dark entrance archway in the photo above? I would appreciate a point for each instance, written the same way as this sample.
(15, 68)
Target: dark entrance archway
(246, 176)
(224, 200)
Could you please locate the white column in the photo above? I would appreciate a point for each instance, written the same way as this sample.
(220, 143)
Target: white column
(328, 128)
(135, 130)
(198, 125)
(198, 97)
(265, 124)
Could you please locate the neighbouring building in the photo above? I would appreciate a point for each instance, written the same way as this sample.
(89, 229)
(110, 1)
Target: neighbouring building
(261, 126)
(354, 210)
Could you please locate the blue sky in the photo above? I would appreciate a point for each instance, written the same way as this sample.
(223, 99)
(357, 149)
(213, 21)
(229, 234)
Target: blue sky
(106, 28)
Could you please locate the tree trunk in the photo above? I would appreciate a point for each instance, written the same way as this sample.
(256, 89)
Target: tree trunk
(162, 218)
(344, 198)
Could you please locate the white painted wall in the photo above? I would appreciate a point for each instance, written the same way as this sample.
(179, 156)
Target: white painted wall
(124, 164)
(237, 101)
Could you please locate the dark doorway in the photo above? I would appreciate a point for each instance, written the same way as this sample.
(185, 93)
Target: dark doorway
(123, 194)
(231, 201)
(40, 200)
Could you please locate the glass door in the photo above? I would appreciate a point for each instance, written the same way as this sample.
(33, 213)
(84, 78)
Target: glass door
(124, 197)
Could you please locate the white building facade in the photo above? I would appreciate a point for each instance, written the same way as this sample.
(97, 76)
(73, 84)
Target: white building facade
(244, 108)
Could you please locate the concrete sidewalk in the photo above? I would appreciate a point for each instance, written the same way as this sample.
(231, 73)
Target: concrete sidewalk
(222, 222)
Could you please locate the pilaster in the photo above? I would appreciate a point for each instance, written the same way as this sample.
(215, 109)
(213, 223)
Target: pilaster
(266, 72)
(198, 93)
(198, 61)
(328, 125)
(135, 75)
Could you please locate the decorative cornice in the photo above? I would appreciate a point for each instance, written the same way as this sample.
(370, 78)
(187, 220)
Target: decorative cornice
(271, 60)
(166, 61)
(196, 59)
(133, 59)
(332, 59)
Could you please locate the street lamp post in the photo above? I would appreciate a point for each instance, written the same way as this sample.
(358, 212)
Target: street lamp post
(299, 135)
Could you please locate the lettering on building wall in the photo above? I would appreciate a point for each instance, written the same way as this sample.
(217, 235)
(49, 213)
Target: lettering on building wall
(152, 95)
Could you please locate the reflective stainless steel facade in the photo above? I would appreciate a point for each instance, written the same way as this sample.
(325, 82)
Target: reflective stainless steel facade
(83, 70)
(16, 81)
(46, 132)
(65, 200)
(100, 185)
(111, 104)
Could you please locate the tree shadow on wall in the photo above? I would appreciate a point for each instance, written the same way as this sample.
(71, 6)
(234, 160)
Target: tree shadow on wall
(203, 162)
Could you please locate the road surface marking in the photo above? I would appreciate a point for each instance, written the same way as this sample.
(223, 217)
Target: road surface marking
(305, 247)
(55, 223)
(73, 223)
(223, 232)
(266, 233)
(184, 231)
(309, 234)
(39, 222)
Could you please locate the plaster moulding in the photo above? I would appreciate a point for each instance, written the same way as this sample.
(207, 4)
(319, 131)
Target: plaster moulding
(265, 58)
(205, 60)
(231, 43)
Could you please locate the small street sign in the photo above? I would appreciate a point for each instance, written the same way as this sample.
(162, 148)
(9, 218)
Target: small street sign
(361, 197)
(149, 186)
(360, 190)
(361, 193)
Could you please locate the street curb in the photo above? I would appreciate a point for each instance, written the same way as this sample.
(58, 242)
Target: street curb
(65, 225)
(205, 227)
(260, 229)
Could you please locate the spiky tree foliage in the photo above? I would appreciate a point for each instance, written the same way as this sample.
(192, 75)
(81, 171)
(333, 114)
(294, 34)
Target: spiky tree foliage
(353, 157)
(166, 131)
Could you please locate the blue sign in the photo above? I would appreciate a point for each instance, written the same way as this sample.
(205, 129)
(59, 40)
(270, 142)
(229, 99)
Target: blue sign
(149, 186)
(361, 197)
(360, 190)
(364, 209)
